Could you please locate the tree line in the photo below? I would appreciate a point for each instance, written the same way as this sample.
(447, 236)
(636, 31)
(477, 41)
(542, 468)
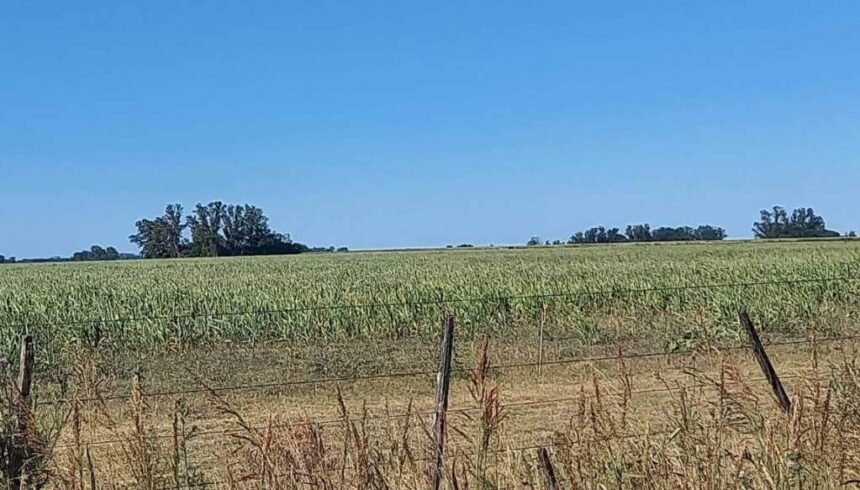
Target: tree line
(640, 233)
(217, 229)
(773, 223)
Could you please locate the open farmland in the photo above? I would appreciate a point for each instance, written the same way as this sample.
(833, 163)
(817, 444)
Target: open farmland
(599, 294)
(317, 371)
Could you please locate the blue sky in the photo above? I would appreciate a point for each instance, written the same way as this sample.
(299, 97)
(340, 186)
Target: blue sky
(383, 124)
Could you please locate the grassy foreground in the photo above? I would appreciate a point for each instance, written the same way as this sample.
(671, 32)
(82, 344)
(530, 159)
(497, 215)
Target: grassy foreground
(599, 295)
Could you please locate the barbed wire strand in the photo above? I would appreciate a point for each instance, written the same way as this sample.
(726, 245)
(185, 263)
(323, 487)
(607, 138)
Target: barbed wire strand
(370, 377)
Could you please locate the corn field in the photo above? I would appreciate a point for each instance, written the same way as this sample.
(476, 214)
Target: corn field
(599, 294)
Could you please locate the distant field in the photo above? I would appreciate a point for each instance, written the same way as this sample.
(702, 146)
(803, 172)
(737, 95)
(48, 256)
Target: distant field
(595, 293)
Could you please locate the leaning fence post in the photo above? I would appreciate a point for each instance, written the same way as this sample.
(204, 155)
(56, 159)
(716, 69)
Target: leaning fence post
(91, 470)
(443, 382)
(21, 452)
(764, 363)
(550, 482)
(540, 341)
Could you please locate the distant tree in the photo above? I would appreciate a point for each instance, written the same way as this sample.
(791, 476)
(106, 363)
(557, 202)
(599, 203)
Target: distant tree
(669, 234)
(98, 252)
(708, 232)
(556, 242)
(802, 223)
(614, 235)
(643, 233)
(206, 230)
(2, 259)
(95, 253)
(326, 250)
(465, 245)
(535, 240)
(342, 249)
(598, 234)
(851, 234)
(578, 237)
(216, 229)
(638, 233)
(161, 237)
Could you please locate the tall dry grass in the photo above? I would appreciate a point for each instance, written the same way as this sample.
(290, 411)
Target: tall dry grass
(719, 431)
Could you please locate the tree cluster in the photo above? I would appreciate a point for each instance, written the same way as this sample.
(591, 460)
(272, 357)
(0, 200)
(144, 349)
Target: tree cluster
(801, 223)
(644, 233)
(774, 223)
(216, 230)
(97, 253)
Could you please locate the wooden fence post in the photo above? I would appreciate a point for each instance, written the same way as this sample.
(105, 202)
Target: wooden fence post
(540, 341)
(91, 470)
(443, 382)
(764, 363)
(549, 480)
(21, 451)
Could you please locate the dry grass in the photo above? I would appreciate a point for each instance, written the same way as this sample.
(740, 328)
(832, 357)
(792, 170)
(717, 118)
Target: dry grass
(702, 422)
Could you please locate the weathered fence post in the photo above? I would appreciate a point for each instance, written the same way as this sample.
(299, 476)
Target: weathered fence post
(21, 453)
(550, 482)
(443, 382)
(540, 341)
(91, 470)
(764, 363)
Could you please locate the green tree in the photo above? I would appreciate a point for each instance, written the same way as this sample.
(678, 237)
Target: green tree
(206, 225)
(598, 234)
(614, 235)
(161, 237)
(638, 233)
(97, 253)
(708, 232)
(246, 230)
(802, 223)
(216, 229)
(669, 234)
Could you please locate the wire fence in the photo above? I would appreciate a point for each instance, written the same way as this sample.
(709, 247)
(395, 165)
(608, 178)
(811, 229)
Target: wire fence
(406, 374)
(505, 406)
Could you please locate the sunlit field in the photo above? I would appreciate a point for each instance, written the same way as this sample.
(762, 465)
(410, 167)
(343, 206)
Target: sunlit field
(665, 293)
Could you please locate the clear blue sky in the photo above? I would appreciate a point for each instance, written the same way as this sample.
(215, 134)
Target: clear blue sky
(381, 124)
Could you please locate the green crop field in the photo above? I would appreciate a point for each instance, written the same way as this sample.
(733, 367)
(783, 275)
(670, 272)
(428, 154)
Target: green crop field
(595, 293)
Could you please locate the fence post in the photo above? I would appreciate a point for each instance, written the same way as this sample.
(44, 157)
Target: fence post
(549, 480)
(91, 470)
(540, 341)
(764, 363)
(443, 382)
(21, 452)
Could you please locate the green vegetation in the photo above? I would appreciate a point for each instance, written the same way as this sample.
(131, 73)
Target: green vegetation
(776, 223)
(603, 294)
